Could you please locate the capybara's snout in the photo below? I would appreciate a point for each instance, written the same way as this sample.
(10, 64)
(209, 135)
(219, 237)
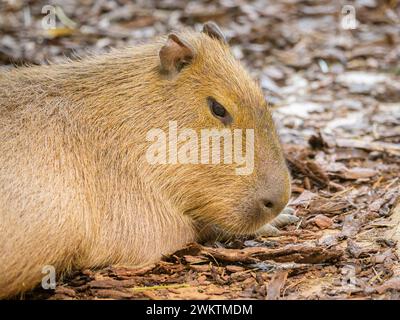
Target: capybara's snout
(271, 198)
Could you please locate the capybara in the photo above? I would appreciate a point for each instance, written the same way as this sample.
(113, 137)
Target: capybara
(77, 189)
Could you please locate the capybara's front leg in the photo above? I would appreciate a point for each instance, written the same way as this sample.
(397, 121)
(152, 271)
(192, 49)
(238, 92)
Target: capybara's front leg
(285, 218)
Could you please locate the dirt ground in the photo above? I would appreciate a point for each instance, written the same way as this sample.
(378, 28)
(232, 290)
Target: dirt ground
(336, 99)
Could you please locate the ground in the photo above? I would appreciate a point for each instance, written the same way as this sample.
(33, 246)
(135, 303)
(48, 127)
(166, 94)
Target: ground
(335, 93)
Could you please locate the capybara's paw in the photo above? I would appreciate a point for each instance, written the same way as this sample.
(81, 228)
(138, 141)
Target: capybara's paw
(268, 230)
(285, 218)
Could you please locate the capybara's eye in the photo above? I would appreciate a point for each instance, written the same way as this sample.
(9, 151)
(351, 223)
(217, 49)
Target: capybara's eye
(219, 111)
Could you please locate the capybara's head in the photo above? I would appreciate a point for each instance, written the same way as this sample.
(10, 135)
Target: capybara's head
(214, 151)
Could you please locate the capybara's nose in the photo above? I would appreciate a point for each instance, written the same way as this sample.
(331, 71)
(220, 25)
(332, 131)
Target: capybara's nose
(266, 203)
(273, 203)
(273, 192)
(272, 206)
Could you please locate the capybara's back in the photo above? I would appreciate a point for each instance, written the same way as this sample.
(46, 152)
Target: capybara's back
(77, 189)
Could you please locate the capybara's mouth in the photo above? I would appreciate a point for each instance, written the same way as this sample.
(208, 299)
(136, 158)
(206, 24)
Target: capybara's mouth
(231, 230)
(228, 226)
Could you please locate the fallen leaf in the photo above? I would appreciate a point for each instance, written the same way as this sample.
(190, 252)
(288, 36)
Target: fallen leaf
(276, 284)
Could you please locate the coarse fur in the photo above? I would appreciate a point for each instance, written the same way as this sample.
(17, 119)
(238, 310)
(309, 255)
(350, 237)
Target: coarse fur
(75, 188)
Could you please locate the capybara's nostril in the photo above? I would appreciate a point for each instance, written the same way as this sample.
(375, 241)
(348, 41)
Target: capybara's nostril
(267, 203)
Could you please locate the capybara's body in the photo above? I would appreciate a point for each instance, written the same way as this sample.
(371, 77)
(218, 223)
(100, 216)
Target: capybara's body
(76, 190)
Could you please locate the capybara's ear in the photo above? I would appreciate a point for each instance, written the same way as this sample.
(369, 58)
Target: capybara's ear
(175, 54)
(214, 31)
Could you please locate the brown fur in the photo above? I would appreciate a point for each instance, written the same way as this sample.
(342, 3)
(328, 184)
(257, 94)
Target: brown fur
(75, 189)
